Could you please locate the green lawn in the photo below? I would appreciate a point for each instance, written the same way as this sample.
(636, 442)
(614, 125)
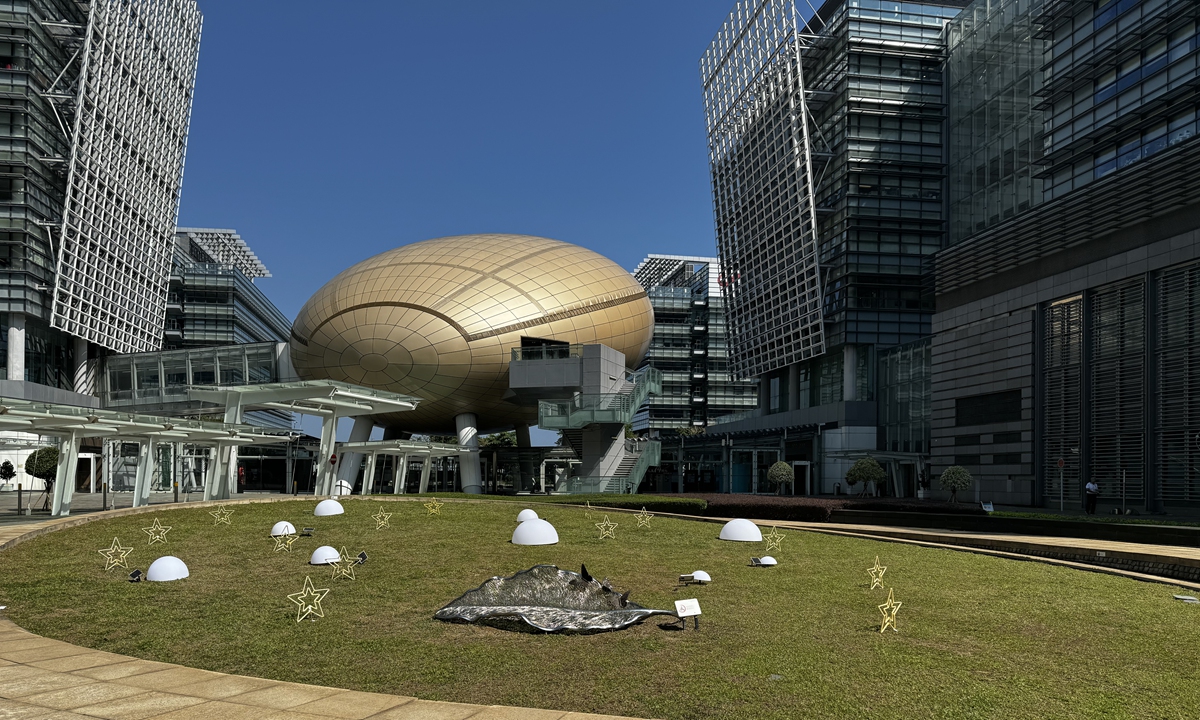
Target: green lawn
(980, 637)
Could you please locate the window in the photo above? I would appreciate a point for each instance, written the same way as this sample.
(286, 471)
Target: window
(988, 409)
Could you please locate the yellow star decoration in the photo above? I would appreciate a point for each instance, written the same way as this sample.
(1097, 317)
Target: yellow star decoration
(157, 532)
(607, 528)
(588, 510)
(774, 539)
(115, 555)
(344, 567)
(284, 542)
(889, 609)
(643, 518)
(381, 519)
(877, 574)
(434, 507)
(308, 600)
(222, 516)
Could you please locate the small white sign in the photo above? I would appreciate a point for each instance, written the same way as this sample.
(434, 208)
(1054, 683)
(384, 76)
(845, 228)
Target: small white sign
(1185, 598)
(987, 507)
(687, 608)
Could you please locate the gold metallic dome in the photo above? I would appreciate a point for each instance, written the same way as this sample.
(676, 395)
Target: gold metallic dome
(438, 319)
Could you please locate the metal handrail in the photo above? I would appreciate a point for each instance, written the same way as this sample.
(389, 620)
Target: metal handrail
(587, 409)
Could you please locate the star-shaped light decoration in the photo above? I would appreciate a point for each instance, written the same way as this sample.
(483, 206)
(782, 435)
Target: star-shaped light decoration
(308, 600)
(381, 519)
(434, 507)
(114, 556)
(157, 532)
(344, 567)
(284, 542)
(222, 516)
(588, 507)
(643, 518)
(877, 574)
(607, 529)
(889, 609)
(774, 539)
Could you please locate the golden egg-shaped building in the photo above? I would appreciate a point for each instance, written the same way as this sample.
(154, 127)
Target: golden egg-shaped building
(438, 319)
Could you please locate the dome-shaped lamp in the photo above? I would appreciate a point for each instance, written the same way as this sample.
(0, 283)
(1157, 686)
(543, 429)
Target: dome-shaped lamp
(535, 532)
(166, 569)
(343, 488)
(701, 577)
(526, 514)
(767, 561)
(741, 531)
(328, 507)
(283, 527)
(324, 555)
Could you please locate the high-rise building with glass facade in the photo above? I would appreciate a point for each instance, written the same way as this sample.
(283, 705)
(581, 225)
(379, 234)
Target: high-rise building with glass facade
(689, 346)
(97, 102)
(1067, 314)
(827, 153)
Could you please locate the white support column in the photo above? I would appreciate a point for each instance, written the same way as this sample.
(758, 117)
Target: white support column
(214, 477)
(324, 481)
(145, 472)
(349, 462)
(92, 472)
(849, 373)
(64, 478)
(468, 456)
(401, 475)
(426, 462)
(16, 346)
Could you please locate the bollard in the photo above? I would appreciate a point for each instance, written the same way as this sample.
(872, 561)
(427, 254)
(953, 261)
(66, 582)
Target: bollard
(19, 499)
(104, 497)
(176, 491)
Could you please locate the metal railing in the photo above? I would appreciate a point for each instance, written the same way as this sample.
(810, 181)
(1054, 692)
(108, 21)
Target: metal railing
(649, 454)
(547, 352)
(587, 409)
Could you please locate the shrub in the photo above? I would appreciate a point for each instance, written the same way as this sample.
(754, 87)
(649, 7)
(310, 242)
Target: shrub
(7, 472)
(955, 478)
(864, 471)
(43, 464)
(781, 473)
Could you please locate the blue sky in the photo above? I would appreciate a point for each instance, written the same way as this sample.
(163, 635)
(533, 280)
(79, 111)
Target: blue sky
(326, 133)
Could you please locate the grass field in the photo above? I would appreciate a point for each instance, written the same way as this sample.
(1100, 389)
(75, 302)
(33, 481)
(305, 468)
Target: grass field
(980, 637)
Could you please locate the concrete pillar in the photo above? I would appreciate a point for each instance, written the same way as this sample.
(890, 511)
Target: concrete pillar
(369, 474)
(324, 479)
(849, 373)
(64, 478)
(426, 463)
(468, 456)
(16, 346)
(83, 379)
(349, 462)
(523, 439)
(145, 472)
(525, 462)
(401, 476)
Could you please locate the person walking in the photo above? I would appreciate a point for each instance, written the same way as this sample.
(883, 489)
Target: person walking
(1092, 491)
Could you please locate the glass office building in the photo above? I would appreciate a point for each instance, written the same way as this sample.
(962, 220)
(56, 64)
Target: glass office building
(689, 346)
(1066, 303)
(828, 168)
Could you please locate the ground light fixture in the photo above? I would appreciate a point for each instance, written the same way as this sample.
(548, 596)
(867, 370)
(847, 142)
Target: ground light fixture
(741, 531)
(324, 555)
(283, 527)
(767, 561)
(526, 514)
(701, 577)
(535, 532)
(326, 508)
(166, 569)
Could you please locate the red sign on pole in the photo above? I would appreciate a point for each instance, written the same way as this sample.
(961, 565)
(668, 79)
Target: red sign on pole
(333, 459)
(1061, 463)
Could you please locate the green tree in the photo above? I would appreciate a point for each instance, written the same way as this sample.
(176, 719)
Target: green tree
(43, 464)
(865, 470)
(506, 439)
(955, 478)
(7, 471)
(779, 474)
(690, 431)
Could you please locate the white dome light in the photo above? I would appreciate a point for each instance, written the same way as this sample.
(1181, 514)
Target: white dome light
(328, 507)
(283, 527)
(166, 569)
(324, 555)
(767, 560)
(741, 531)
(535, 532)
(343, 488)
(701, 577)
(526, 514)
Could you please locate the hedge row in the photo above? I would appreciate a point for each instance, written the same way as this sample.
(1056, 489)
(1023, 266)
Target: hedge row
(683, 504)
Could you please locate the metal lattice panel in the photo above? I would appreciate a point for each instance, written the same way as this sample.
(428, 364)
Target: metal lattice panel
(1118, 390)
(1179, 383)
(227, 248)
(130, 135)
(1062, 396)
(761, 153)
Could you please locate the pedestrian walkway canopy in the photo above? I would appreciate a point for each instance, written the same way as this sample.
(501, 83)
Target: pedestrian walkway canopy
(405, 450)
(72, 424)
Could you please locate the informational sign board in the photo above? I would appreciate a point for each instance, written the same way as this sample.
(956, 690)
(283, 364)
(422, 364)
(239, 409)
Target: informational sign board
(687, 608)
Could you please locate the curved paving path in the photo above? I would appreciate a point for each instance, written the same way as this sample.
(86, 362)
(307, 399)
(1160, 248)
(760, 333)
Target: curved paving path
(44, 679)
